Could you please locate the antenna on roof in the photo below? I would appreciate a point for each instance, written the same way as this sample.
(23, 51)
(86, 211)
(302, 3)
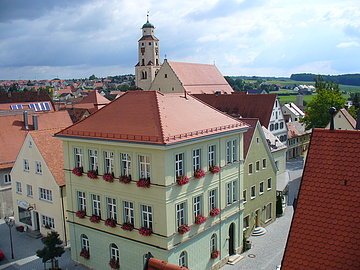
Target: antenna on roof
(147, 16)
(214, 62)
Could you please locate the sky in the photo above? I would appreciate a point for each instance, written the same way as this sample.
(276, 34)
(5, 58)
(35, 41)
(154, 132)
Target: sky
(75, 39)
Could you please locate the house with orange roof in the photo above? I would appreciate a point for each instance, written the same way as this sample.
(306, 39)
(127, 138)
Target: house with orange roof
(343, 120)
(38, 186)
(324, 232)
(298, 140)
(159, 173)
(93, 100)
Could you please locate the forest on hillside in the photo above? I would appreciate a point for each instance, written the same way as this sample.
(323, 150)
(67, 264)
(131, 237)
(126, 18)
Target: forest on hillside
(348, 79)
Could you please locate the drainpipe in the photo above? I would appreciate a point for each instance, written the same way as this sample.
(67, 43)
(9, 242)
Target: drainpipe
(63, 213)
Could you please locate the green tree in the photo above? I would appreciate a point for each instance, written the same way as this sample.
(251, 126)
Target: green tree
(53, 248)
(92, 77)
(317, 110)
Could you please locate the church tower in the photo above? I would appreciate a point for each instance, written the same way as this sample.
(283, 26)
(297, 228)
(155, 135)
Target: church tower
(148, 55)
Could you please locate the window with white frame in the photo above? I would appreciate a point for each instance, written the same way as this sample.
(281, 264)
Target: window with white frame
(114, 252)
(197, 206)
(268, 211)
(179, 164)
(38, 168)
(93, 160)
(257, 166)
(47, 222)
(144, 166)
(213, 243)
(196, 159)
(246, 222)
(146, 216)
(109, 161)
(261, 188)
(81, 201)
(125, 164)
(253, 192)
(231, 151)
(212, 198)
(26, 165)
(244, 196)
(231, 192)
(85, 242)
(29, 190)
(7, 178)
(128, 212)
(250, 168)
(183, 259)
(96, 210)
(269, 184)
(78, 157)
(111, 208)
(45, 194)
(180, 214)
(264, 163)
(18, 188)
(212, 155)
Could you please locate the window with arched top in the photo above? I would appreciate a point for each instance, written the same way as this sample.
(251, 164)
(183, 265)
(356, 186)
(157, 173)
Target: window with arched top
(84, 242)
(183, 260)
(144, 75)
(271, 127)
(213, 243)
(114, 252)
(276, 126)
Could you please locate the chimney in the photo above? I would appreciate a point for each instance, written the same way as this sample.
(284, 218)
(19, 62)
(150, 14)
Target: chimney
(35, 121)
(26, 121)
(300, 101)
(332, 112)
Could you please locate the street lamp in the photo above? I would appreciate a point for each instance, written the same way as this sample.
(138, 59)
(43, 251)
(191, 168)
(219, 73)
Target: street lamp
(10, 222)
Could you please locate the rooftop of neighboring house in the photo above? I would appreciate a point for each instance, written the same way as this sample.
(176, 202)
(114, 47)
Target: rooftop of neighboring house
(94, 98)
(273, 142)
(51, 150)
(296, 129)
(156, 264)
(38, 101)
(200, 78)
(294, 109)
(324, 233)
(347, 116)
(155, 118)
(77, 114)
(249, 133)
(241, 105)
(13, 131)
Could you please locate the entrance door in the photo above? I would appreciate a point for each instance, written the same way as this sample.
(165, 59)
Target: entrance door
(231, 239)
(257, 218)
(36, 221)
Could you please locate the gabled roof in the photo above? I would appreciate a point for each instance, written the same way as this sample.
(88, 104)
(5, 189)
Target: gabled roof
(348, 117)
(294, 109)
(249, 133)
(200, 78)
(273, 142)
(94, 98)
(27, 96)
(155, 118)
(52, 152)
(239, 105)
(325, 231)
(296, 129)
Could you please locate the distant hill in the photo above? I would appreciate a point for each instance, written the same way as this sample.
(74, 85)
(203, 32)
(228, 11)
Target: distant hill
(348, 79)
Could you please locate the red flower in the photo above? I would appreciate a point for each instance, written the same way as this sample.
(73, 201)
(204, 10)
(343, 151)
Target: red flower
(199, 173)
(78, 171)
(183, 229)
(80, 213)
(143, 182)
(110, 222)
(126, 179)
(199, 219)
(127, 226)
(92, 174)
(85, 253)
(114, 264)
(108, 177)
(145, 231)
(214, 212)
(214, 169)
(182, 180)
(95, 219)
(215, 254)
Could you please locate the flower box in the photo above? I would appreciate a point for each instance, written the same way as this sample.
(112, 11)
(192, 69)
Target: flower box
(80, 214)
(200, 219)
(143, 182)
(108, 177)
(95, 219)
(145, 231)
(127, 226)
(20, 228)
(182, 180)
(85, 253)
(110, 222)
(183, 229)
(114, 264)
(92, 174)
(126, 179)
(199, 173)
(214, 212)
(214, 169)
(78, 171)
(215, 254)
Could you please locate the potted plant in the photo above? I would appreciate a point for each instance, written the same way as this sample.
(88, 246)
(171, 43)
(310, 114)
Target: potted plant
(214, 212)
(80, 213)
(114, 264)
(126, 179)
(143, 182)
(199, 219)
(183, 229)
(145, 231)
(92, 174)
(182, 180)
(215, 254)
(95, 219)
(199, 173)
(214, 169)
(127, 226)
(78, 171)
(85, 253)
(110, 222)
(108, 177)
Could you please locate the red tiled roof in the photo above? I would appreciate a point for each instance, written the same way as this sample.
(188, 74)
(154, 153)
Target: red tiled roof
(156, 264)
(52, 152)
(94, 98)
(153, 117)
(247, 106)
(249, 133)
(200, 78)
(325, 231)
(26, 96)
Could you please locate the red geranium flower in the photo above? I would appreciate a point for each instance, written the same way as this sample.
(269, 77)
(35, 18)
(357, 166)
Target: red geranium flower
(108, 177)
(143, 182)
(80, 214)
(215, 254)
(199, 219)
(214, 169)
(110, 222)
(78, 171)
(126, 179)
(85, 253)
(95, 219)
(92, 174)
(183, 229)
(145, 231)
(182, 180)
(127, 226)
(199, 173)
(214, 212)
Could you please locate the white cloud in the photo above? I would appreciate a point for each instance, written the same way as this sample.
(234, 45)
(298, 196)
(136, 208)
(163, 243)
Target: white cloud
(348, 44)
